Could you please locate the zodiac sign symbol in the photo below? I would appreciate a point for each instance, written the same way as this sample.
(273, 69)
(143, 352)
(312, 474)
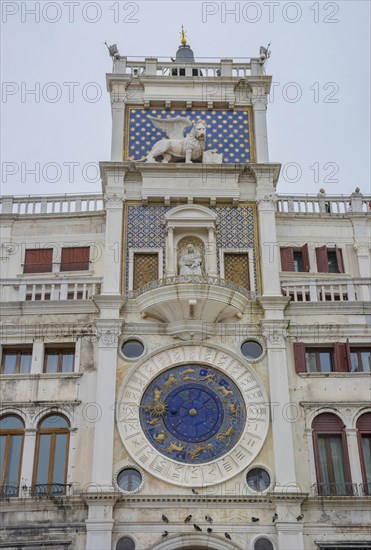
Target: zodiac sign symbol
(188, 378)
(188, 371)
(160, 437)
(157, 394)
(233, 409)
(199, 449)
(227, 435)
(173, 447)
(209, 378)
(153, 421)
(225, 392)
(170, 381)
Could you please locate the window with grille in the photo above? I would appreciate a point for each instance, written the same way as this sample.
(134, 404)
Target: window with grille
(236, 268)
(145, 269)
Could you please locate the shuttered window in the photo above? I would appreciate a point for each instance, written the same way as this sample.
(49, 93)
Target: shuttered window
(340, 357)
(329, 260)
(38, 260)
(364, 443)
(75, 258)
(331, 456)
(145, 269)
(236, 268)
(293, 259)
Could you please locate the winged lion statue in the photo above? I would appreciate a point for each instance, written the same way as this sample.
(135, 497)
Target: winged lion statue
(190, 147)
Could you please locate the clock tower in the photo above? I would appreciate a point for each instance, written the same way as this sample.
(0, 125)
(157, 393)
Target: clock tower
(192, 361)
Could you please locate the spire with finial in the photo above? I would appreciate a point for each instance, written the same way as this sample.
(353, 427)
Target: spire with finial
(183, 35)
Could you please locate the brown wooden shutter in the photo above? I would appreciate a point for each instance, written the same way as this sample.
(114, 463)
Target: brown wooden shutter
(327, 423)
(339, 258)
(299, 357)
(340, 357)
(38, 260)
(364, 422)
(322, 260)
(75, 258)
(287, 259)
(305, 256)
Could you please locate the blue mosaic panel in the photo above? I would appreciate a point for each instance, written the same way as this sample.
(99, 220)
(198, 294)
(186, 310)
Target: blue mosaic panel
(193, 413)
(145, 229)
(228, 131)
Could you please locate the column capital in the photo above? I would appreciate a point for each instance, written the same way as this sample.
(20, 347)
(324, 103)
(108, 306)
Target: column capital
(119, 100)
(114, 200)
(267, 202)
(108, 332)
(361, 249)
(275, 333)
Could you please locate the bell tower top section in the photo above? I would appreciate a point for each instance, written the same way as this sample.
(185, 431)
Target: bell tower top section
(221, 103)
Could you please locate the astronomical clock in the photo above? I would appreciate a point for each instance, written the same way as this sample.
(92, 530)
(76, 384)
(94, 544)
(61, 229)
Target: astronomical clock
(192, 415)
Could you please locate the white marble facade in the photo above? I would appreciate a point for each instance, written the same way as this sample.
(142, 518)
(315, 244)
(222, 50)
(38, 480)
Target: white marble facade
(181, 318)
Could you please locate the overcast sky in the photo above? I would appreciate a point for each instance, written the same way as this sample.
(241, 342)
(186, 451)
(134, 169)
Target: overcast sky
(318, 116)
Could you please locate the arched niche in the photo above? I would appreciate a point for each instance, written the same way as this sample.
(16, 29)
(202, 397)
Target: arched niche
(195, 223)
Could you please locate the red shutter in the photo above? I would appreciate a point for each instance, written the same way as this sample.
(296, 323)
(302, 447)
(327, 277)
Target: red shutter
(339, 258)
(299, 357)
(349, 357)
(38, 260)
(322, 261)
(75, 258)
(305, 256)
(340, 357)
(287, 259)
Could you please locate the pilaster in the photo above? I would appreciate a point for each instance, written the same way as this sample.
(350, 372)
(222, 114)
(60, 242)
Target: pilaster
(259, 102)
(275, 332)
(114, 204)
(118, 104)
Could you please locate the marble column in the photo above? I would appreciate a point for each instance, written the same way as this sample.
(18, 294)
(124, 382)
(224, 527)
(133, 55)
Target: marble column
(211, 254)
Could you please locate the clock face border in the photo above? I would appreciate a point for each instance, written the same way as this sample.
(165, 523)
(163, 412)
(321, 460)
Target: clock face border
(218, 470)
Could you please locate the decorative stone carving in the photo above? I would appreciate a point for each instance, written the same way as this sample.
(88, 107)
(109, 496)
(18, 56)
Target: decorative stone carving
(191, 262)
(275, 333)
(177, 146)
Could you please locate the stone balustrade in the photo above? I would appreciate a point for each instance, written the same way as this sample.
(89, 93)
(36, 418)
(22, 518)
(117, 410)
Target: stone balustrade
(16, 290)
(152, 66)
(320, 290)
(51, 204)
(323, 204)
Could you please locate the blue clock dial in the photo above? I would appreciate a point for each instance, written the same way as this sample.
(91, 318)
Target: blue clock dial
(193, 413)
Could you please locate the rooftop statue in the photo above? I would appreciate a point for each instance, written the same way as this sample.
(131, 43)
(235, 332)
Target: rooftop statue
(190, 147)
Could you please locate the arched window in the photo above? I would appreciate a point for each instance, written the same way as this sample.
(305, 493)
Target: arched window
(331, 456)
(11, 446)
(263, 543)
(126, 543)
(364, 442)
(50, 468)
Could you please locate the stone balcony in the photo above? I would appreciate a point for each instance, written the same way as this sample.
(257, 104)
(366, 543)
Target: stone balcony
(192, 298)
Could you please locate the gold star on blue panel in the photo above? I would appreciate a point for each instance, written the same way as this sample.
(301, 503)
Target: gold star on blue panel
(227, 131)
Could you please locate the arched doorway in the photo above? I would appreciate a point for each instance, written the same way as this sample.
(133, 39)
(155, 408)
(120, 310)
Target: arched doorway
(196, 542)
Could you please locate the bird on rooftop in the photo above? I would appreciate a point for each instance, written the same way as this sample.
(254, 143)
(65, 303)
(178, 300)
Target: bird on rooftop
(197, 528)
(209, 530)
(195, 492)
(209, 519)
(164, 518)
(188, 519)
(275, 517)
(164, 534)
(300, 517)
(228, 536)
(254, 520)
